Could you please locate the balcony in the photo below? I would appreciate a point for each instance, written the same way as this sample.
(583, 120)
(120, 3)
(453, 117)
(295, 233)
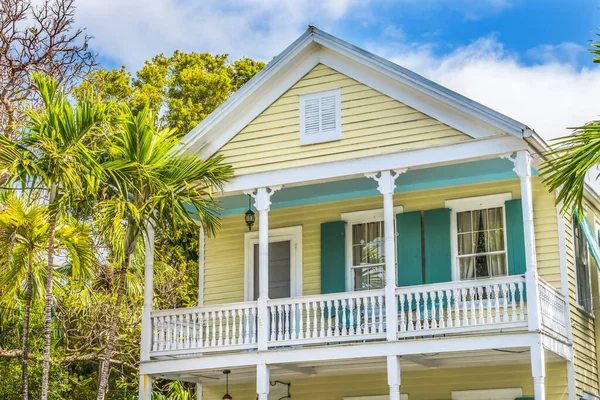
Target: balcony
(446, 309)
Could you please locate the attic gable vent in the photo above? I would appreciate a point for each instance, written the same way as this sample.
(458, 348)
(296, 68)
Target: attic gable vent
(320, 117)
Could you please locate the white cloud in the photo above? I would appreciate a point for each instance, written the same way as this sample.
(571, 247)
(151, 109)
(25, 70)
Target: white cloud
(132, 31)
(565, 52)
(548, 97)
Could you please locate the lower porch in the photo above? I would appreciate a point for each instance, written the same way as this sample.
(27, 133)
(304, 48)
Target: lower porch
(503, 373)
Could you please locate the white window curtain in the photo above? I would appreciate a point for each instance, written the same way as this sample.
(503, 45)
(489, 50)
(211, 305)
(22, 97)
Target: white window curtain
(481, 247)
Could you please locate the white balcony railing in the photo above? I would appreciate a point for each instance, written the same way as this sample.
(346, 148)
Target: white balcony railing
(461, 306)
(212, 328)
(426, 310)
(553, 306)
(335, 317)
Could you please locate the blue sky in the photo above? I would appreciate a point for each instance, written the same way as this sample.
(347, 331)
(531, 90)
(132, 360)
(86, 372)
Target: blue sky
(525, 58)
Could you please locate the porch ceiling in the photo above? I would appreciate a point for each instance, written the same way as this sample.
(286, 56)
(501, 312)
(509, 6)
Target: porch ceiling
(287, 372)
(495, 169)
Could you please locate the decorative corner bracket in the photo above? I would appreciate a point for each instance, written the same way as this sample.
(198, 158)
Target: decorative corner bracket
(386, 179)
(521, 161)
(262, 197)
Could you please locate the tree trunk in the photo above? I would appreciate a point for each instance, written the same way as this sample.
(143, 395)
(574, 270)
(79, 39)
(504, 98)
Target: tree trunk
(130, 242)
(48, 308)
(25, 354)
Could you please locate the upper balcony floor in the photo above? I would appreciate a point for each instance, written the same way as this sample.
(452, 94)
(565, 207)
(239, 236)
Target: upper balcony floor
(458, 269)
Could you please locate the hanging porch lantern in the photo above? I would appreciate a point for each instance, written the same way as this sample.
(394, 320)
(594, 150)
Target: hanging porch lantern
(227, 396)
(249, 216)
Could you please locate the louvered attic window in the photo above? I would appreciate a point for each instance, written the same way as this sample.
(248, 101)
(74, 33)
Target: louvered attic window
(320, 117)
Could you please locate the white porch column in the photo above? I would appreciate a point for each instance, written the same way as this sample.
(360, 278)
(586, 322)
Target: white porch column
(145, 387)
(146, 340)
(198, 391)
(262, 203)
(201, 266)
(386, 187)
(523, 169)
(538, 370)
(394, 379)
(263, 383)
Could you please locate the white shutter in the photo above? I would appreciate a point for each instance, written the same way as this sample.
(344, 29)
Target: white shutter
(328, 113)
(311, 117)
(320, 119)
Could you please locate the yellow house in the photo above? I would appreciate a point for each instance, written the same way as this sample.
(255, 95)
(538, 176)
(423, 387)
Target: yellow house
(383, 237)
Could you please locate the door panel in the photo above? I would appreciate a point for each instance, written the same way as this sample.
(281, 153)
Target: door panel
(279, 270)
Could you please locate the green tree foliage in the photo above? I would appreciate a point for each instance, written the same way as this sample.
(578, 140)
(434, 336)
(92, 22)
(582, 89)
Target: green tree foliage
(183, 88)
(51, 151)
(146, 182)
(69, 158)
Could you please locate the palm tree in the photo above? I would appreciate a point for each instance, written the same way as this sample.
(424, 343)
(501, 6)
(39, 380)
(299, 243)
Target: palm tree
(149, 182)
(24, 233)
(51, 152)
(568, 164)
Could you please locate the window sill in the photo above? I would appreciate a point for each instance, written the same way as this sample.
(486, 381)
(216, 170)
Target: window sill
(585, 312)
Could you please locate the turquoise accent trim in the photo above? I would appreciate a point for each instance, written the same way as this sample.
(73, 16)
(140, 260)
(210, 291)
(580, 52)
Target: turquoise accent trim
(496, 169)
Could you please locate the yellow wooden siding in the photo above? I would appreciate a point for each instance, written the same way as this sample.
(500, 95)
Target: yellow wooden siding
(583, 325)
(432, 384)
(372, 123)
(224, 255)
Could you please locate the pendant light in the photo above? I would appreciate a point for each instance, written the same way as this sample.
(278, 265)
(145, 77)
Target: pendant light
(249, 217)
(227, 396)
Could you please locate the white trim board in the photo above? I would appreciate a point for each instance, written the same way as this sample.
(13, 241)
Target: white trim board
(488, 394)
(471, 150)
(294, 235)
(343, 352)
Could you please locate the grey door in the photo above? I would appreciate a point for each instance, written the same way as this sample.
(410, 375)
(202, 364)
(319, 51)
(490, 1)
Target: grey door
(279, 270)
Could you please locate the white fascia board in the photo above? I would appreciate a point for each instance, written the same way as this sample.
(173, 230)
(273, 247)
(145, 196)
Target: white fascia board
(278, 76)
(427, 103)
(343, 352)
(447, 154)
(205, 131)
(248, 109)
(421, 83)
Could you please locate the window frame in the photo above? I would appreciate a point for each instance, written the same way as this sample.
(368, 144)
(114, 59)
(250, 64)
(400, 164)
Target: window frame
(473, 204)
(291, 233)
(361, 217)
(589, 274)
(321, 137)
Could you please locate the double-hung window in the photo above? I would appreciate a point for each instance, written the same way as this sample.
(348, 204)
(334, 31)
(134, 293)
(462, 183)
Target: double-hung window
(582, 267)
(479, 236)
(368, 256)
(365, 249)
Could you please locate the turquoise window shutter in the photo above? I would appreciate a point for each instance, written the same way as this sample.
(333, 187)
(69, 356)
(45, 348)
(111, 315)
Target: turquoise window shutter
(333, 257)
(515, 237)
(438, 256)
(409, 257)
(524, 398)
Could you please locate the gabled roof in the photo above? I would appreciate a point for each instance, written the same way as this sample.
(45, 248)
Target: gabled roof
(222, 124)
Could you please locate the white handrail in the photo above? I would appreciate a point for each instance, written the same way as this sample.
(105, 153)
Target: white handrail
(217, 307)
